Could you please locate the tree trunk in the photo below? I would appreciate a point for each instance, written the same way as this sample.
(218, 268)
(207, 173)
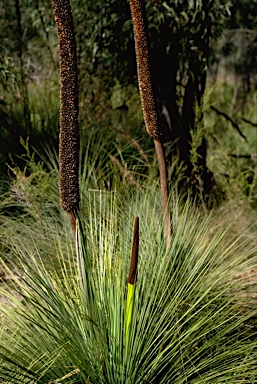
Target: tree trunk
(179, 121)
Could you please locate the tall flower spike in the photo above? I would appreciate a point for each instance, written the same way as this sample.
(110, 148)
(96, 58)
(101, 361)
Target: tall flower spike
(69, 109)
(153, 127)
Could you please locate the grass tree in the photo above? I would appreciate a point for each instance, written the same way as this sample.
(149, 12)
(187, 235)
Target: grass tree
(188, 319)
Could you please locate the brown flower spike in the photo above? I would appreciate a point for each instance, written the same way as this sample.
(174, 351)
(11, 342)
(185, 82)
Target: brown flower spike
(150, 113)
(134, 254)
(69, 109)
(143, 68)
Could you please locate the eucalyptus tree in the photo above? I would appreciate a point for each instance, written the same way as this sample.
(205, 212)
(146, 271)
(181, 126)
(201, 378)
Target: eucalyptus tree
(181, 34)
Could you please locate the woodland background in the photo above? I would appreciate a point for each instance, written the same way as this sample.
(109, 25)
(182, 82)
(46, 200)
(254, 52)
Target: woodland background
(204, 73)
(63, 308)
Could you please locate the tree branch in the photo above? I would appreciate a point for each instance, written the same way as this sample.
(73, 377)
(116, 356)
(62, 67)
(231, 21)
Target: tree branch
(235, 125)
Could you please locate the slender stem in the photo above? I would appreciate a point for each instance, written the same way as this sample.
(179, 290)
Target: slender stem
(72, 218)
(164, 188)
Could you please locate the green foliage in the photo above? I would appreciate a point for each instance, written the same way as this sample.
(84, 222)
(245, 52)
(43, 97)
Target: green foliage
(31, 185)
(8, 74)
(199, 131)
(108, 38)
(42, 110)
(189, 320)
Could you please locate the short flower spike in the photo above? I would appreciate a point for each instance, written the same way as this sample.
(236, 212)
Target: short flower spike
(143, 68)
